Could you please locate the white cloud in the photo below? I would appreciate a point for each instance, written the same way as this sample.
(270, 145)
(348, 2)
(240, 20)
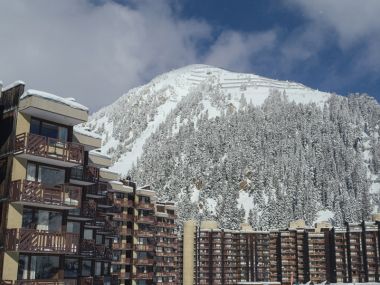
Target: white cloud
(95, 53)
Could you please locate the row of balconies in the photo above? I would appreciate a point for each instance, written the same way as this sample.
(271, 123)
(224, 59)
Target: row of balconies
(38, 241)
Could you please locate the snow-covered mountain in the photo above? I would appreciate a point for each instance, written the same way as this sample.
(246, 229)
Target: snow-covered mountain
(238, 146)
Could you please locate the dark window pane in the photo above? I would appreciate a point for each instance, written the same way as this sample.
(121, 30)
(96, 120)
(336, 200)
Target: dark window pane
(35, 126)
(49, 130)
(28, 222)
(86, 268)
(71, 267)
(44, 267)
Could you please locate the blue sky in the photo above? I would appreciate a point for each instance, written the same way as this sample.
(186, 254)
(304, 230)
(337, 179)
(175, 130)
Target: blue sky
(97, 50)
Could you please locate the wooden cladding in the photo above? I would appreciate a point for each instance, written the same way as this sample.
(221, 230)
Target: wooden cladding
(39, 241)
(42, 146)
(34, 192)
(86, 173)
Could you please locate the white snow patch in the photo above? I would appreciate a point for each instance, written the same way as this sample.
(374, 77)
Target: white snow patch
(324, 216)
(195, 195)
(13, 84)
(245, 201)
(86, 132)
(52, 97)
(211, 205)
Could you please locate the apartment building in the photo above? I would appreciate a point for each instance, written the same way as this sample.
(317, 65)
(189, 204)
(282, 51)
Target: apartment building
(65, 217)
(298, 254)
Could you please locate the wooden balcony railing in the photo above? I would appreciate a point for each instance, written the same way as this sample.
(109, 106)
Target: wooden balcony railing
(166, 225)
(122, 246)
(143, 261)
(146, 219)
(123, 202)
(125, 232)
(144, 247)
(123, 217)
(145, 206)
(35, 192)
(86, 173)
(45, 282)
(89, 248)
(143, 275)
(144, 233)
(42, 146)
(30, 240)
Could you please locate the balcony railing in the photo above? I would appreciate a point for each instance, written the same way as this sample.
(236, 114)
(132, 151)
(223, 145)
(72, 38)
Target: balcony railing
(42, 146)
(144, 247)
(166, 225)
(122, 246)
(145, 206)
(87, 173)
(144, 233)
(123, 202)
(143, 275)
(89, 248)
(34, 192)
(42, 282)
(143, 261)
(30, 240)
(146, 219)
(123, 217)
(125, 232)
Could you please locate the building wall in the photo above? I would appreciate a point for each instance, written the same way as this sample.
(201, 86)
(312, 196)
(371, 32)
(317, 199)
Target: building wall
(297, 255)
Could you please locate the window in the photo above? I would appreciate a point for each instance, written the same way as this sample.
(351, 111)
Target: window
(47, 175)
(51, 176)
(73, 227)
(42, 220)
(48, 130)
(98, 268)
(44, 267)
(86, 267)
(71, 267)
(99, 239)
(23, 265)
(88, 234)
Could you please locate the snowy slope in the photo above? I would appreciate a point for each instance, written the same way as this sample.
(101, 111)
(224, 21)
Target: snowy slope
(163, 128)
(176, 85)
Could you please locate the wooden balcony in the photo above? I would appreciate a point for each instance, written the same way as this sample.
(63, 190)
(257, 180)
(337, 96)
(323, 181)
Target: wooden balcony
(89, 248)
(33, 193)
(123, 217)
(146, 219)
(144, 247)
(125, 232)
(144, 233)
(143, 275)
(85, 213)
(42, 282)
(48, 150)
(143, 261)
(38, 241)
(166, 225)
(86, 175)
(122, 246)
(145, 206)
(123, 203)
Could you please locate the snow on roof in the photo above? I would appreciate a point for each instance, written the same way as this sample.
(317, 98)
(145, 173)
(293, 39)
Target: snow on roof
(69, 102)
(97, 152)
(109, 171)
(86, 132)
(13, 84)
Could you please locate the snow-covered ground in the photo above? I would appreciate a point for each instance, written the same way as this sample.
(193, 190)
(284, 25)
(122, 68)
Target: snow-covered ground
(178, 84)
